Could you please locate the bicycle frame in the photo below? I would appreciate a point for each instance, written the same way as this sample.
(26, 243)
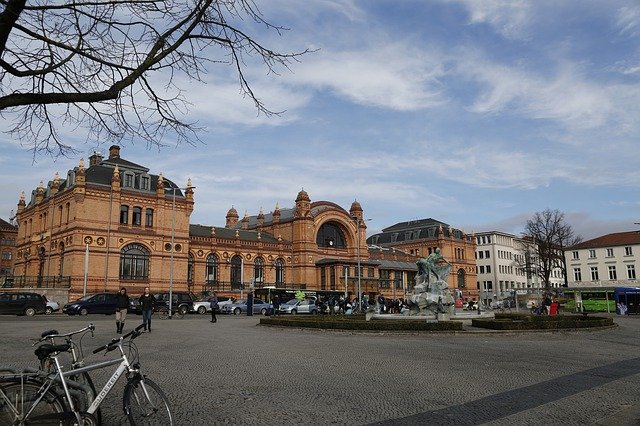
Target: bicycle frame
(123, 367)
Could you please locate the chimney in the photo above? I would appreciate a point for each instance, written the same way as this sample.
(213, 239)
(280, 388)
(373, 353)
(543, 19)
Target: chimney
(95, 159)
(114, 151)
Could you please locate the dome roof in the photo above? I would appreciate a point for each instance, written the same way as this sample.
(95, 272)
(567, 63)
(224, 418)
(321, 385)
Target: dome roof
(303, 196)
(355, 206)
(232, 212)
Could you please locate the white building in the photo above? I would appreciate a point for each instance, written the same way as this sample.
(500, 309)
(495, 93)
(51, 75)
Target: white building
(611, 260)
(501, 266)
(498, 259)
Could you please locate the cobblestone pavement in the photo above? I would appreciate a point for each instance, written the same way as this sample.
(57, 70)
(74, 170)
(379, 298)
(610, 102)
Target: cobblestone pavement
(235, 372)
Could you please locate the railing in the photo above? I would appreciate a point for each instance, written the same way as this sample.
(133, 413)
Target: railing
(226, 286)
(36, 282)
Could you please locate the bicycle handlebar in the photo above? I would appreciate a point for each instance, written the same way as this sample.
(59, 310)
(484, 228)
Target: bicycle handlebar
(52, 334)
(116, 341)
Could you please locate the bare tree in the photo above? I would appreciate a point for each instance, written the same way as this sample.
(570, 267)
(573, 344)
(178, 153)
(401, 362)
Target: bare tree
(110, 66)
(546, 236)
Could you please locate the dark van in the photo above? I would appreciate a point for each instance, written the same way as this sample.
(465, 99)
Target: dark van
(22, 303)
(101, 303)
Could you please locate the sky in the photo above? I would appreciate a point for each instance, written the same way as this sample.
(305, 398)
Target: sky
(477, 113)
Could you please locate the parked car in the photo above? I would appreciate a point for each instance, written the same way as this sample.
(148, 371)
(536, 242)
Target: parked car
(203, 306)
(296, 306)
(181, 301)
(240, 307)
(101, 303)
(51, 307)
(22, 303)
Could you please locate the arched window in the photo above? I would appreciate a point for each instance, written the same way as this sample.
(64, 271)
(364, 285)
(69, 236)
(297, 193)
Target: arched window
(124, 214)
(279, 271)
(258, 270)
(330, 235)
(461, 278)
(134, 262)
(136, 218)
(211, 269)
(61, 271)
(236, 272)
(190, 264)
(148, 222)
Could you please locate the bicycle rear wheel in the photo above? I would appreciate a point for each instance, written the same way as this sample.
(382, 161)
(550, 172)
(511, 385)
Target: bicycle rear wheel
(146, 404)
(163, 313)
(16, 399)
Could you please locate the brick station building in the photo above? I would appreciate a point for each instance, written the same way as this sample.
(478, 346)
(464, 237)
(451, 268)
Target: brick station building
(115, 224)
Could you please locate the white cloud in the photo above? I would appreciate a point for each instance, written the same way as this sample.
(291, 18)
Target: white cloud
(391, 75)
(508, 17)
(565, 96)
(628, 20)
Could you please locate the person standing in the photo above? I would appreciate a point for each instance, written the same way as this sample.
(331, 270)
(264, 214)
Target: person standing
(122, 304)
(276, 305)
(213, 301)
(147, 304)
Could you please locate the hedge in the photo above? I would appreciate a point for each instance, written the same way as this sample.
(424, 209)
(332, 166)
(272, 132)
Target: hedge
(541, 322)
(358, 322)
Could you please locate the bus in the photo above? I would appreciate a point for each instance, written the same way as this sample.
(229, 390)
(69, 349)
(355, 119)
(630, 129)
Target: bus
(589, 299)
(627, 300)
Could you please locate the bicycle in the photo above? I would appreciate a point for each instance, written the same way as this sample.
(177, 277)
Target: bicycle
(47, 365)
(26, 399)
(163, 312)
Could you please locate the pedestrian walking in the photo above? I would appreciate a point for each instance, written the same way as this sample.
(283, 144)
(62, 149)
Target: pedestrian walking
(121, 309)
(213, 300)
(147, 304)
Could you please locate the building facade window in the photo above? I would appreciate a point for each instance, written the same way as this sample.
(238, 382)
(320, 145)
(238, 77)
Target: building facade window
(594, 273)
(279, 271)
(609, 252)
(258, 270)
(148, 218)
(612, 273)
(575, 255)
(236, 272)
(134, 262)
(145, 183)
(628, 251)
(577, 275)
(211, 269)
(592, 254)
(124, 214)
(136, 217)
(461, 278)
(190, 265)
(330, 235)
(631, 272)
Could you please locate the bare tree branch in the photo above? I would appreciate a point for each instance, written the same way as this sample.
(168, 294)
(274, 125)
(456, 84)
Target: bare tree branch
(88, 64)
(547, 235)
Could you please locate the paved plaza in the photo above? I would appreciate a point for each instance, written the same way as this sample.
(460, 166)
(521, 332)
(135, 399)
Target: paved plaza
(235, 372)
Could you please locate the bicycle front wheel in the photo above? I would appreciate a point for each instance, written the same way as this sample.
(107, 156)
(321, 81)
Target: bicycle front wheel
(16, 399)
(146, 404)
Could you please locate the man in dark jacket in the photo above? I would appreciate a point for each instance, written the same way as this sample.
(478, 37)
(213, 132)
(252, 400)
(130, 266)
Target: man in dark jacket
(213, 300)
(147, 304)
(121, 309)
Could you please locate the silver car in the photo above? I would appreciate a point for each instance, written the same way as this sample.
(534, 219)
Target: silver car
(240, 307)
(204, 306)
(295, 306)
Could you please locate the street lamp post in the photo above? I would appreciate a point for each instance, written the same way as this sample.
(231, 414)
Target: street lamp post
(173, 233)
(358, 271)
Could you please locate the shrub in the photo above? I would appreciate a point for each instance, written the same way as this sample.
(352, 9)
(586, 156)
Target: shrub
(541, 322)
(358, 322)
